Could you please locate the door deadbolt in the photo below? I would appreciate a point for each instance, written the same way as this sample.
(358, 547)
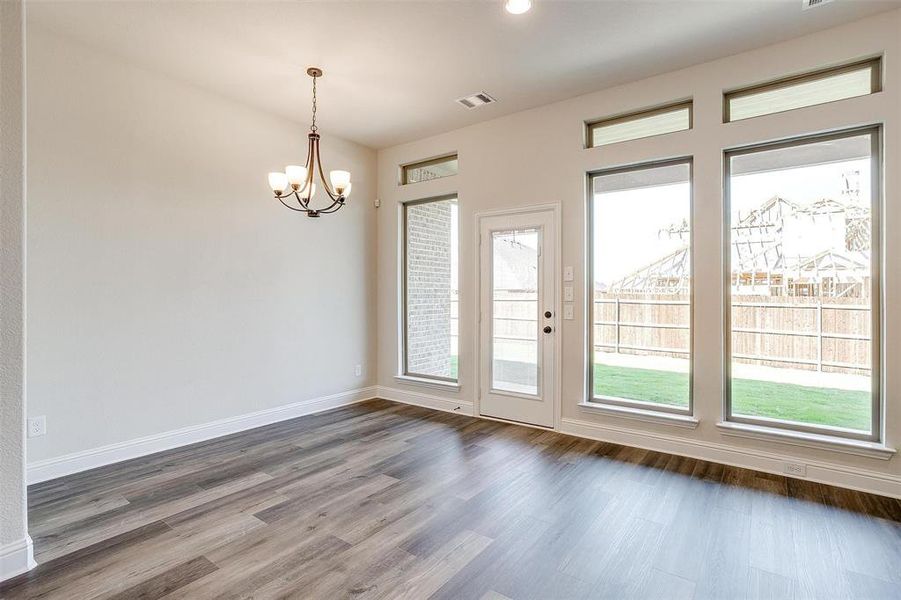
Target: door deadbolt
(547, 329)
(548, 314)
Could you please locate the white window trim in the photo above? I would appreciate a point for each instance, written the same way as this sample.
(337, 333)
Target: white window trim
(641, 414)
(635, 407)
(401, 375)
(807, 440)
(810, 431)
(426, 382)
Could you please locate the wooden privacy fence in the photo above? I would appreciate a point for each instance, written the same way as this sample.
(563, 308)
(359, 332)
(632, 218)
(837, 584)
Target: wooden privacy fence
(817, 334)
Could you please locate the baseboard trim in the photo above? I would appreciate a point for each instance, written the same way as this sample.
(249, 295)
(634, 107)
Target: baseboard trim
(863, 480)
(822, 472)
(425, 400)
(69, 464)
(16, 558)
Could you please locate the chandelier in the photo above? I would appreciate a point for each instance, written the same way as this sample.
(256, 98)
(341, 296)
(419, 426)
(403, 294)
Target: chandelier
(296, 185)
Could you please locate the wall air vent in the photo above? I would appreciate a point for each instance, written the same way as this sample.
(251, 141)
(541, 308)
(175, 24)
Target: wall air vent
(476, 100)
(805, 4)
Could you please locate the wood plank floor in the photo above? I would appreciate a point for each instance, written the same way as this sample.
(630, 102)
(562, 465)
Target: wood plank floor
(382, 500)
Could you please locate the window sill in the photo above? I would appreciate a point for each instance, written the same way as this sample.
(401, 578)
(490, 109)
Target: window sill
(638, 414)
(807, 440)
(450, 386)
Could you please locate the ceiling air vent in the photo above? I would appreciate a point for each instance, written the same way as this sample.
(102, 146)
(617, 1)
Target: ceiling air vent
(805, 4)
(476, 100)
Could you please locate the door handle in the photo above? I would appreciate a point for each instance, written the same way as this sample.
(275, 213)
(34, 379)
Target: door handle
(547, 329)
(548, 314)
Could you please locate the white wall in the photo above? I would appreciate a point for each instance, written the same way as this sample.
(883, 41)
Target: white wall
(167, 288)
(15, 545)
(537, 156)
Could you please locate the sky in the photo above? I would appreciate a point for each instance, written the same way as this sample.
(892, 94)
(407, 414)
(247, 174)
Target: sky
(627, 225)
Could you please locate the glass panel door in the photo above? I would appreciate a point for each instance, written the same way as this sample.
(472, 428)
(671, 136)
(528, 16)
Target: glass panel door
(514, 314)
(517, 349)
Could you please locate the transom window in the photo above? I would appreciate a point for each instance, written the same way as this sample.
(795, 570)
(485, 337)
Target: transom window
(858, 79)
(427, 170)
(641, 124)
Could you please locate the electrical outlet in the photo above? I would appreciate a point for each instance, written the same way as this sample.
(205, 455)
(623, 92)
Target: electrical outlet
(568, 312)
(37, 426)
(358, 370)
(796, 469)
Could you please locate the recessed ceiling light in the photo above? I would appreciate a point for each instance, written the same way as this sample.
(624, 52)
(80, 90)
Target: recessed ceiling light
(517, 7)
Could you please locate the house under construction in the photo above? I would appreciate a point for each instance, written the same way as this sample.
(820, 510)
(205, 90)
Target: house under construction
(778, 249)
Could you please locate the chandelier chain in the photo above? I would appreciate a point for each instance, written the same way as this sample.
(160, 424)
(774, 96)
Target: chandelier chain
(313, 127)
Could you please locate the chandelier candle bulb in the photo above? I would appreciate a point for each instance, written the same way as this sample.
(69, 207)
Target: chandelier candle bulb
(278, 182)
(339, 180)
(296, 176)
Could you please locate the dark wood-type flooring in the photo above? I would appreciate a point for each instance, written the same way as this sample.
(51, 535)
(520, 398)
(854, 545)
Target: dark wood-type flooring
(381, 500)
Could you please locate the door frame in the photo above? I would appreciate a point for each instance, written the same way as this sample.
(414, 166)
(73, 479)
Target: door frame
(557, 392)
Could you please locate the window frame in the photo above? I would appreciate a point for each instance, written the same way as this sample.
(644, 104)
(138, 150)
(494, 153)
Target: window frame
(875, 64)
(404, 168)
(404, 371)
(876, 290)
(630, 404)
(591, 125)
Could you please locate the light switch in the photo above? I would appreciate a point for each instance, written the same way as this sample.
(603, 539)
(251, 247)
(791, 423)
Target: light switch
(567, 273)
(568, 312)
(567, 293)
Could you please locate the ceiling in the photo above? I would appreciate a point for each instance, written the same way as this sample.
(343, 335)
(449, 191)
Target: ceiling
(393, 69)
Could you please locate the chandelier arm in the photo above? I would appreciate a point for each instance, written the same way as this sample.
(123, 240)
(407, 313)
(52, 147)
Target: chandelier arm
(330, 208)
(307, 185)
(335, 206)
(325, 182)
(311, 161)
(294, 193)
(280, 199)
(332, 195)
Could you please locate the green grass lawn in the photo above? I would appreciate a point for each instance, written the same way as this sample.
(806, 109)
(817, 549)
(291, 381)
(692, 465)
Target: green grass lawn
(790, 402)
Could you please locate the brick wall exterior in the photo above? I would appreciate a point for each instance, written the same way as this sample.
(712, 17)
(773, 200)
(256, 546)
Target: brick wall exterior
(429, 288)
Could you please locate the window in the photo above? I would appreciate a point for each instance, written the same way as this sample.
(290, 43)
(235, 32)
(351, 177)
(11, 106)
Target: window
(426, 170)
(858, 79)
(430, 296)
(802, 310)
(515, 260)
(640, 290)
(667, 119)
